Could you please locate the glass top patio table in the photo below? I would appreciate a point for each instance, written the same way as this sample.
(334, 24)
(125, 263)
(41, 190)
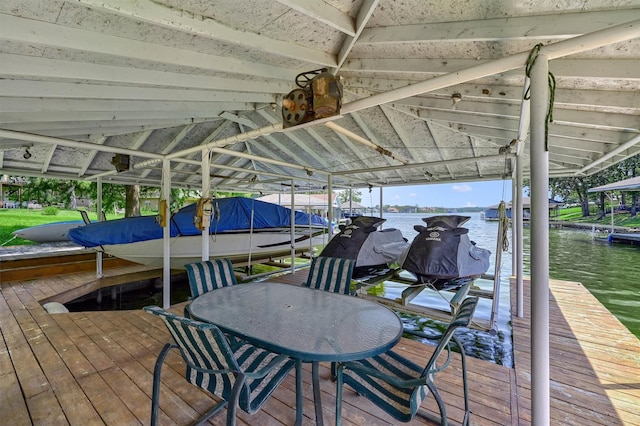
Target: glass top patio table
(306, 324)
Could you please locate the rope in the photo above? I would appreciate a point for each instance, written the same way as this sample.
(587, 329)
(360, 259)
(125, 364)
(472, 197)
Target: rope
(503, 221)
(253, 212)
(215, 217)
(552, 96)
(503, 225)
(9, 240)
(531, 60)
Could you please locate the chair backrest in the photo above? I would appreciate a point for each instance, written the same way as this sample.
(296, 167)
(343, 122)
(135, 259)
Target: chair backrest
(85, 217)
(462, 318)
(209, 275)
(331, 274)
(204, 348)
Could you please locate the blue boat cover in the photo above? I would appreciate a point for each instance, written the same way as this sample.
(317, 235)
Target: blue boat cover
(234, 214)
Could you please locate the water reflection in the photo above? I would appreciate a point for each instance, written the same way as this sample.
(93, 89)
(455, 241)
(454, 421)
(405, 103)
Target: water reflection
(610, 272)
(485, 345)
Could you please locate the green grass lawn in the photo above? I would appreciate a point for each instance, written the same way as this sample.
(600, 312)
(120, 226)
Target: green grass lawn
(574, 214)
(14, 219)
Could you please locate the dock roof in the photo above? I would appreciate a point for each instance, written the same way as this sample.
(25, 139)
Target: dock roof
(432, 91)
(631, 184)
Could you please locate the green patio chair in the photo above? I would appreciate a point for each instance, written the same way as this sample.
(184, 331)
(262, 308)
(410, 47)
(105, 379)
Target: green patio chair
(241, 374)
(397, 385)
(331, 274)
(210, 275)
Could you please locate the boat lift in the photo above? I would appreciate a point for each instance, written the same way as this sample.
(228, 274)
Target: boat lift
(465, 287)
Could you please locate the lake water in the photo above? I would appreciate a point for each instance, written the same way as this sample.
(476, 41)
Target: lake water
(611, 273)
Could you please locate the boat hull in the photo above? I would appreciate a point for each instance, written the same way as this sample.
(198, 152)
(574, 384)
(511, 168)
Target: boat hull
(49, 232)
(240, 247)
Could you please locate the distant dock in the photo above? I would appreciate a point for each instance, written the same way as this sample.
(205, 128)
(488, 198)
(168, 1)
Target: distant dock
(620, 234)
(633, 239)
(590, 226)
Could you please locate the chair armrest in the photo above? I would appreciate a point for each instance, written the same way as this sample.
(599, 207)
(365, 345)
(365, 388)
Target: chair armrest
(208, 371)
(393, 380)
(433, 365)
(267, 368)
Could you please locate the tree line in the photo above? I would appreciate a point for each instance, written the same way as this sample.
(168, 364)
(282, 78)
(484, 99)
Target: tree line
(575, 189)
(572, 189)
(66, 193)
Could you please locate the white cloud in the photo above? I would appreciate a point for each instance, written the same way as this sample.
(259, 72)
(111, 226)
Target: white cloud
(413, 195)
(462, 188)
(469, 204)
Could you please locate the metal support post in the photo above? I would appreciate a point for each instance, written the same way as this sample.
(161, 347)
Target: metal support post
(539, 157)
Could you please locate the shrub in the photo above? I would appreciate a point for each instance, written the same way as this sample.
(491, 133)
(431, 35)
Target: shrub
(50, 211)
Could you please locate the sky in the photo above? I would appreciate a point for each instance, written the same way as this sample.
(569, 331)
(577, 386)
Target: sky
(450, 195)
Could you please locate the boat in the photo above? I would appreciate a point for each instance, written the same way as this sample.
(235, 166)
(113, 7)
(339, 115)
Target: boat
(241, 229)
(442, 255)
(371, 248)
(54, 231)
(48, 232)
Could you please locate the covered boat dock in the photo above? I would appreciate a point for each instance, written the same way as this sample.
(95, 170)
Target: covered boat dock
(631, 184)
(183, 95)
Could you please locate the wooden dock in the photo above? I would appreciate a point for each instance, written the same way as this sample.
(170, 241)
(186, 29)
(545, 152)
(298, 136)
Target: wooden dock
(594, 360)
(96, 368)
(633, 239)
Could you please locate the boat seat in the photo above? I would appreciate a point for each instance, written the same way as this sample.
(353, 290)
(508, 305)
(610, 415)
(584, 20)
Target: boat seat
(85, 217)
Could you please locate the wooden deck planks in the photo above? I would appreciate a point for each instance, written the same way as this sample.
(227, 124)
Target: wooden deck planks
(97, 368)
(50, 391)
(12, 400)
(594, 360)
